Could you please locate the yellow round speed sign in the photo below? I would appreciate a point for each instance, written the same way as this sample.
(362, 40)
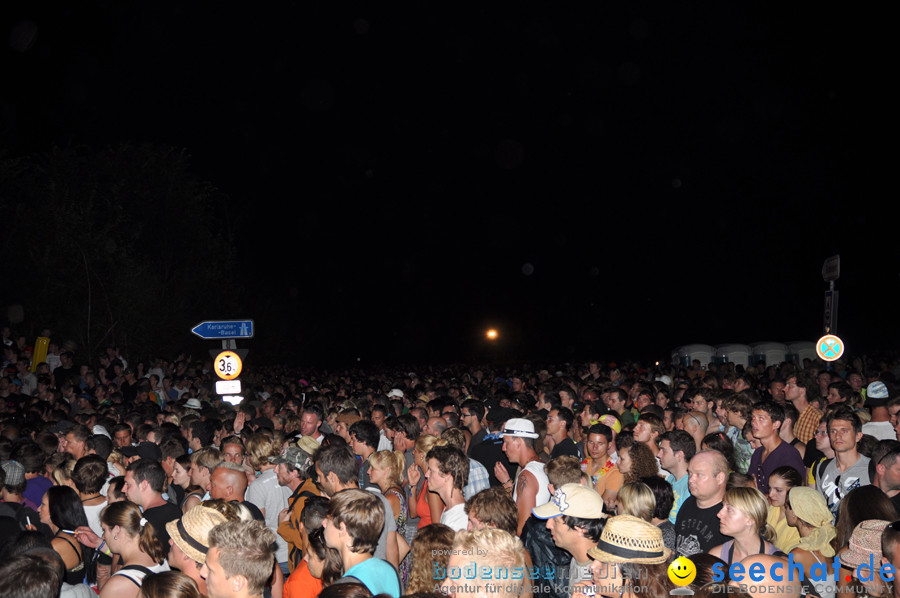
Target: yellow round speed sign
(228, 365)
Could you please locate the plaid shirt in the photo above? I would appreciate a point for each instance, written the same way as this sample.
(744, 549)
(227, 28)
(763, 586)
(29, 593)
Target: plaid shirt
(478, 479)
(806, 424)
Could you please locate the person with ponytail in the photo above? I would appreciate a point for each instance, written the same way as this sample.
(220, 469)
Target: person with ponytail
(128, 534)
(743, 517)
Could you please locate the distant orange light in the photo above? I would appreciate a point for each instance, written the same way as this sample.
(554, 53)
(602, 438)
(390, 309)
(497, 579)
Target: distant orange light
(492, 334)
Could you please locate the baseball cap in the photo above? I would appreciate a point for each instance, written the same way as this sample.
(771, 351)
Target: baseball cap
(877, 390)
(15, 472)
(574, 500)
(298, 455)
(877, 394)
(612, 421)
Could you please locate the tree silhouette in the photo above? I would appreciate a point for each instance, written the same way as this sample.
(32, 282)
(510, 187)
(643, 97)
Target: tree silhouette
(119, 246)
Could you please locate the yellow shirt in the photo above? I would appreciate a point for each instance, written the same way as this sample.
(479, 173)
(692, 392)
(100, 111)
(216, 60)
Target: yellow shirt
(786, 536)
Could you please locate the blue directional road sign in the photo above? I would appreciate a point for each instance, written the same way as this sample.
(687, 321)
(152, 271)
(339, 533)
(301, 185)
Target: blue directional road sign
(221, 329)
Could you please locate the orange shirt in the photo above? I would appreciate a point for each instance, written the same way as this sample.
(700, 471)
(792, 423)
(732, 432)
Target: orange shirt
(611, 480)
(422, 508)
(301, 583)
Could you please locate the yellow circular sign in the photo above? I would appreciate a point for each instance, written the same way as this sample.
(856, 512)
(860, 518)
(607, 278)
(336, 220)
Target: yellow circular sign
(830, 347)
(228, 365)
(682, 571)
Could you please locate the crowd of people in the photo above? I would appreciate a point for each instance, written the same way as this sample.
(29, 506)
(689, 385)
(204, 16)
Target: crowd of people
(136, 479)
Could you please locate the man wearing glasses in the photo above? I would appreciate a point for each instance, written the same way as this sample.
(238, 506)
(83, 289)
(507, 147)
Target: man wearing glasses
(849, 469)
(470, 414)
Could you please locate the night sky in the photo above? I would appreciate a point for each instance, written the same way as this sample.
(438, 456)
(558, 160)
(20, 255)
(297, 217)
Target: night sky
(610, 181)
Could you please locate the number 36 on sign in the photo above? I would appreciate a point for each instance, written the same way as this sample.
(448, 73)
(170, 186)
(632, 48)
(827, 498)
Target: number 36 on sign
(228, 365)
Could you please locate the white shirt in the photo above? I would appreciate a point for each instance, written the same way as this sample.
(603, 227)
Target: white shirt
(455, 517)
(536, 468)
(268, 495)
(880, 430)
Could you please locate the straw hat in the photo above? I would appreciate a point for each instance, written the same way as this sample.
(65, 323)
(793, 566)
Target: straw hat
(627, 539)
(191, 532)
(865, 542)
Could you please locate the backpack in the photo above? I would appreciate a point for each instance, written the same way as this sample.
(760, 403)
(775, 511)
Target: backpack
(820, 468)
(295, 555)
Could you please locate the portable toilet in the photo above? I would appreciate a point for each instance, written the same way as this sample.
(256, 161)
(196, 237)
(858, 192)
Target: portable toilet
(735, 353)
(800, 350)
(769, 352)
(688, 353)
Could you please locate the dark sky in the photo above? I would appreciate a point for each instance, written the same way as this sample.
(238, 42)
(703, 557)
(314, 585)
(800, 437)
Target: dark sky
(611, 181)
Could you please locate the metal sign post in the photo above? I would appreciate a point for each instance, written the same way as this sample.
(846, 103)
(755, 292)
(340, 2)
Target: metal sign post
(831, 271)
(228, 362)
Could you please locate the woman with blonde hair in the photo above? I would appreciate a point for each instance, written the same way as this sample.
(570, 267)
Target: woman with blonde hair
(636, 499)
(386, 471)
(743, 517)
(806, 510)
(60, 466)
(292, 425)
(117, 463)
(425, 505)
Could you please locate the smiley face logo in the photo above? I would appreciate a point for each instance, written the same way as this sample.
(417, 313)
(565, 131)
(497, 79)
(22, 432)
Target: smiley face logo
(682, 571)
